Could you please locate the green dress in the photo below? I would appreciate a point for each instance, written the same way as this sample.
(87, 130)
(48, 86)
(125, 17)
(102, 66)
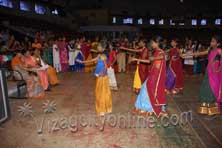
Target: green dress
(47, 56)
(206, 95)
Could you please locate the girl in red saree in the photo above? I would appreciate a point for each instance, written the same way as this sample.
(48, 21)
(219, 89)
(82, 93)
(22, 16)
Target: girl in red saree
(142, 68)
(151, 99)
(174, 82)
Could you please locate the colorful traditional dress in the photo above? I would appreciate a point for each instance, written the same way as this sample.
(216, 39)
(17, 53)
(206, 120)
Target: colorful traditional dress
(85, 51)
(34, 87)
(17, 65)
(210, 90)
(111, 72)
(32, 63)
(94, 46)
(36, 45)
(151, 98)
(53, 78)
(174, 79)
(72, 56)
(52, 75)
(63, 52)
(89, 67)
(141, 70)
(121, 59)
(102, 91)
(79, 67)
(56, 58)
(47, 55)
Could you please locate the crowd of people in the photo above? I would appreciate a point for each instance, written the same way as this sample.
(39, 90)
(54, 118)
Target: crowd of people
(160, 67)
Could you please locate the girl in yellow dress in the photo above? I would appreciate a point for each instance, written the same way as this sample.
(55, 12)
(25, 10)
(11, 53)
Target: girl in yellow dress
(102, 90)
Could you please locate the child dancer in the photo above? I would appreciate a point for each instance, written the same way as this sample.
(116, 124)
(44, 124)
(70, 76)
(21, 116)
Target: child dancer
(102, 91)
(210, 90)
(174, 81)
(142, 68)
(111, 63)
(151, 99)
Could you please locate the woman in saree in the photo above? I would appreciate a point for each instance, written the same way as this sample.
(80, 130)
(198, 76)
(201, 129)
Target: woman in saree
(51, 72)
(63, 53)
(18, 65)
(174, 80)
(72, 55)
(210, 90)
(33, 62)
(151, 99)
(34, 88)
(47, 53)
(102, 90)
(84, 49)
(142, 69)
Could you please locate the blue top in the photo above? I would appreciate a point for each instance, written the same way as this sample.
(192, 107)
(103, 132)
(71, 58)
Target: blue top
(100, 67)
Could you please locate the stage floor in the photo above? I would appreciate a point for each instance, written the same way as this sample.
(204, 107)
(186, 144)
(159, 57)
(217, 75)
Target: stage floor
(74, 99)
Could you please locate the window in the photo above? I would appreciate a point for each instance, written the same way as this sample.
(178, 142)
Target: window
(161, 22)
(194, 22)
(217, 21)
(152, 22)
(40, 9)
(203, 22)
(128, 21)
(24, 6)
(6, 3)
(55, 11)
(140, 21)
(172, 23)
(114, 20)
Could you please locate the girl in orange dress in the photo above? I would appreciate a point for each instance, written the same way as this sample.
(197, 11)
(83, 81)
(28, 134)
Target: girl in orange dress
(33, 62)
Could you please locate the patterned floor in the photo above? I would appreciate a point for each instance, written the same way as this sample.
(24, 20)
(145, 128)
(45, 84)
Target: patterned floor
(74, 124)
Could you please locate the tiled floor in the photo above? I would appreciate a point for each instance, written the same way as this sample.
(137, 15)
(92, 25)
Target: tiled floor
(74, 99)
